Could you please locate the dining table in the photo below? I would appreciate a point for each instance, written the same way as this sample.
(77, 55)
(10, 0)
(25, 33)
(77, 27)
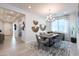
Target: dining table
(50, 37)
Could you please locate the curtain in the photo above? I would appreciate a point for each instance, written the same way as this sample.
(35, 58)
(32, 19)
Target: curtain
(62, 25)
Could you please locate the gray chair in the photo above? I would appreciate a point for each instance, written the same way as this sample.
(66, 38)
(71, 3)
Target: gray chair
(57, 41)
(41, 42)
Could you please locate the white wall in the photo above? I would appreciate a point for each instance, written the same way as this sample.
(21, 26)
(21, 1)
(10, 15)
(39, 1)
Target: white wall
(28, 34)
(7, 28)
(15, 31)
(18, 23)
(73, 24)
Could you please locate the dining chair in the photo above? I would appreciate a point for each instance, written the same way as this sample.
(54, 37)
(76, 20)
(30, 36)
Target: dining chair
(41, 42)
(57, 41)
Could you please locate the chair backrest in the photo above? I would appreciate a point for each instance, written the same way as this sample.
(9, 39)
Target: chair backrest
(60, 36)
(41, 40)
(37, 37)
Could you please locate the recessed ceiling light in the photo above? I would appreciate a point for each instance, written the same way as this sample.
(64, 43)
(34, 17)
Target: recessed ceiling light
(29, 7)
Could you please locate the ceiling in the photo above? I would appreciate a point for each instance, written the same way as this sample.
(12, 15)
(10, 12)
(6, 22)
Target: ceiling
(7, 15)
(57, 9)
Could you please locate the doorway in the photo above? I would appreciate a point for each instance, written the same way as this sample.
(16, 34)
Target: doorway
(8, 29)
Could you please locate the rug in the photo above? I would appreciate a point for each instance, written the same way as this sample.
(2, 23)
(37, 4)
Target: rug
(46, 51)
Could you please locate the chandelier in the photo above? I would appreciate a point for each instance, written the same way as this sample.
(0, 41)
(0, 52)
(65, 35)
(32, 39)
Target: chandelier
(50, 17)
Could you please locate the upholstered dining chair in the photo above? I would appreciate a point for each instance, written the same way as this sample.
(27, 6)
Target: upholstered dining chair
(57, 41)
(41, 42)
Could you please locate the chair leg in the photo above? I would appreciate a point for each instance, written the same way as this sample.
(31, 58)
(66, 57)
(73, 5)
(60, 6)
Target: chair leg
(38, 46)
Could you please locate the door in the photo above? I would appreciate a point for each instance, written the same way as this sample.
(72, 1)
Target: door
(7, 28)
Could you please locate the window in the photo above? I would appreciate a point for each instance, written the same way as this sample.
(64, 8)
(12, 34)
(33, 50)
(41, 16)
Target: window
(59, 26)
(55, 26)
